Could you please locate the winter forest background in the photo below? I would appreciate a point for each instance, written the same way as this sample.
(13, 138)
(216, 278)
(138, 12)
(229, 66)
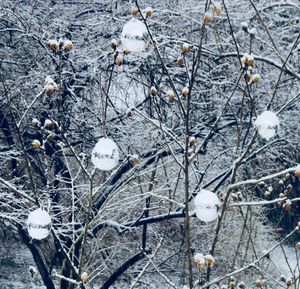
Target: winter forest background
(183, 115)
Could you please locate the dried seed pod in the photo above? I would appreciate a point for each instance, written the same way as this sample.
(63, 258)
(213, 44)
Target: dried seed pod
(134, 11)
(35, 122)
(208, 17)
(53, 45)
(247, 59)
(128, 113)
(289, 282)
(32, 270)
(84, 278)
(51, 87)
(217, 9)
(153, 91)
(135, 160)
(210, 260)
(253, 32)
(148, 11)
(200, 261)
(48, 123)
(185, 48)
(119, 60)
(36, 144)
(258, 283)
(282, 278)
(67, 45)
(170, 95)
(297, 171)
(192, 141)
(244, 26)
(51, 137)
(264, 282)
(287, 205)
(267, 194)
(180, 61)
(113, 43)
(185, 91)
(255, 78)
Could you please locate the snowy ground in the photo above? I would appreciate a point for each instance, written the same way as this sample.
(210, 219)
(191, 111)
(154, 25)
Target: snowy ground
(15, 260)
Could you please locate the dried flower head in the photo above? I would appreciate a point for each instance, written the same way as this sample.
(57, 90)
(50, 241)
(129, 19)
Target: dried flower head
(84, 278)
(200, 261)
(208, 17)
(253, 32)
(153, 90)
(185, 91)
(48, 123)
(148, 11)
(36, 144)
(113, 43)
(180, 61)
(135, 159)
(217, 8)
(192, 141)
(67, 45)
(35, 122)
(134, 11)
(210, 260)
(255, 78)
(170, 95)
(53, 45)
(119, 60)
(297, 171)
(185, 48)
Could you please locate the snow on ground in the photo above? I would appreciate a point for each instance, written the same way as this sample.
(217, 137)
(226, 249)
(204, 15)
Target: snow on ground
(15, 260)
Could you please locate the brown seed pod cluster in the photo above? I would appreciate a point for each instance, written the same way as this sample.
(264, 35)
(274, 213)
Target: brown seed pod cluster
(185, 48)
(170, 95)
(60, 45)
(134, 11)
(50, 85)
(215, 10)
(148, 11)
